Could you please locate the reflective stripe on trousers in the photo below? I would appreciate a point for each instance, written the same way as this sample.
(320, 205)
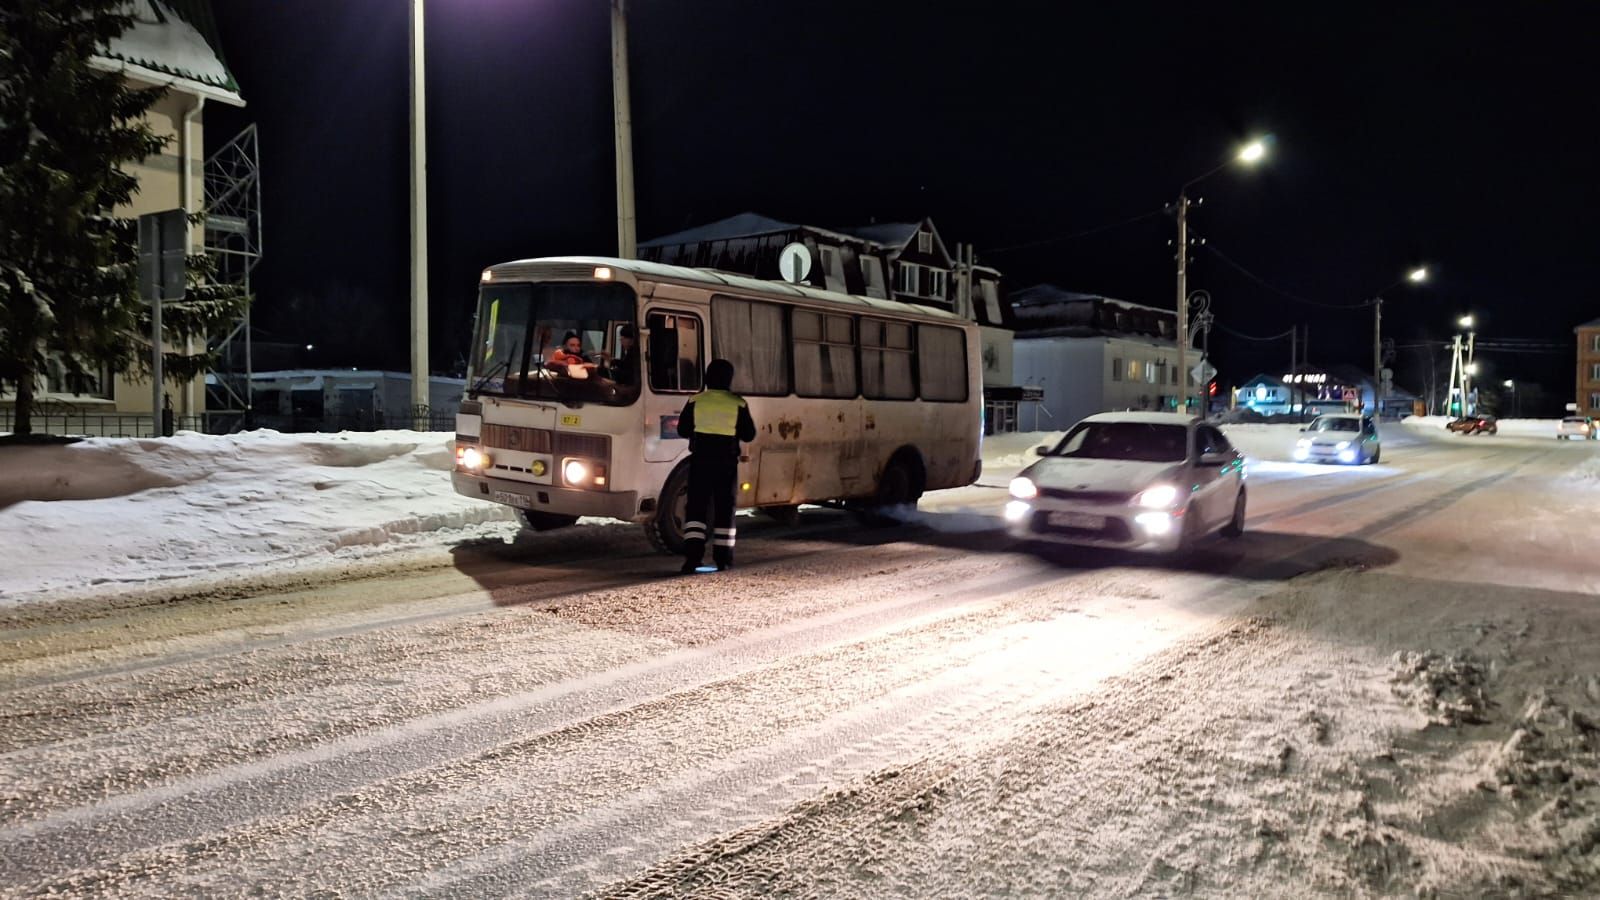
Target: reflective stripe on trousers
(723, 537)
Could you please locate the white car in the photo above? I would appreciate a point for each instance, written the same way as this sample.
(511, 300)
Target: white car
(1339, 438)
(1156, 482)
(1581, 427)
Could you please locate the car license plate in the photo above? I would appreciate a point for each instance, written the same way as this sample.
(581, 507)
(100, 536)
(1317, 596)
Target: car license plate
(1077, 520)
(520, 501)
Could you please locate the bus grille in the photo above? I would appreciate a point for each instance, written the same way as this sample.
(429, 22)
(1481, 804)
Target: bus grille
(592, 446)
(512, 437)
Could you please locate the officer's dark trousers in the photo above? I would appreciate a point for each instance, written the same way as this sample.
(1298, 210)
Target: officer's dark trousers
(712, 483)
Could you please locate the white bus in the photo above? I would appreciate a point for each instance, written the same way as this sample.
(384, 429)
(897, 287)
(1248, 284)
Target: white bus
(856, 400)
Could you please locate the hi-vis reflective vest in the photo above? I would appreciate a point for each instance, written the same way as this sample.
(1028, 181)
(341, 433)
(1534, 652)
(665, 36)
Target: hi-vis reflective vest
(717, 412)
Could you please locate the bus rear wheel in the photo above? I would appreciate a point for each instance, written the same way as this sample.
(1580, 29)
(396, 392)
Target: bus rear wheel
(897, 494)
(543, 521)
(665, 529)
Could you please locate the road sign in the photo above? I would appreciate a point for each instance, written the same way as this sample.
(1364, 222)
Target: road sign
(794, 263)
(1203, 372)
(162, 254)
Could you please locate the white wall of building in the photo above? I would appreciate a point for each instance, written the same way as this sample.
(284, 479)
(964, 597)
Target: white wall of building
(1085, 375)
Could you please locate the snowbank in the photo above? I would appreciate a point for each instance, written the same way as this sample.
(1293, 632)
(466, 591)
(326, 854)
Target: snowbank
(120, 510)
(1544, 428)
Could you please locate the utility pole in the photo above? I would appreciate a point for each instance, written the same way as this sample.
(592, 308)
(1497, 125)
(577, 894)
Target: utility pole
(1183, 301)
(627, 242)
(1377, 357)
(419, 226)
(1294, 363)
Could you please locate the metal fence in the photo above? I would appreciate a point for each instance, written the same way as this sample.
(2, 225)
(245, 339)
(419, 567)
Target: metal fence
(84, 423)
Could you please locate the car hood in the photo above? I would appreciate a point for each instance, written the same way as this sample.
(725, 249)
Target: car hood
(1332, 438)
(1069, 474)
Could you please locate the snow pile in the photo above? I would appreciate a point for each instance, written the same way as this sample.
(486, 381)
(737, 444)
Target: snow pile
(1003, 452)
(1544, 428)
(1448, 689)
(121, 510)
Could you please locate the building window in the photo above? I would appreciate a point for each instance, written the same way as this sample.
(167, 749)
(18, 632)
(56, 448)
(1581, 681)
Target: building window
(908, 279)
(96, 382)
(872, 273)
(936, 283)
(1594, 372)
(1594, 402)
(1594, 342)
(1151, 373)
(1133, 370)
(1116, 369)
(924, 242)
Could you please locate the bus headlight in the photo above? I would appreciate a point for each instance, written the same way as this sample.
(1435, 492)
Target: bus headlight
(472, 459)
(583, 473)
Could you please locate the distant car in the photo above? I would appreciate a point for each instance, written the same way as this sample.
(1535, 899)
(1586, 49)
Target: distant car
(1339, 438)
(1582, 427)
(1150, 482)
(1473, 425)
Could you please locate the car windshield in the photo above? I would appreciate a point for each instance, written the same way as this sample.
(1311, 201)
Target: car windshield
(1135, 441)
(556, 341)
(1329, 423)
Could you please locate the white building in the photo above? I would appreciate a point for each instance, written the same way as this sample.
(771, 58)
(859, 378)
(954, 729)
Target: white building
(1091, 354)
(347, 400)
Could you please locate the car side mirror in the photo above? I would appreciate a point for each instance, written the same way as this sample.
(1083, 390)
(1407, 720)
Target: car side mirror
(1215, 460)
(1041, 451)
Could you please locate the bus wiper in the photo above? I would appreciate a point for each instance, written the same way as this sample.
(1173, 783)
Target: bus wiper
(499, 367)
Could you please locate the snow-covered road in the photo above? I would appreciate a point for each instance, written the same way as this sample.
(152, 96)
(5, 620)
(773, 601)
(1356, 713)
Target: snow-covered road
(1387, 686)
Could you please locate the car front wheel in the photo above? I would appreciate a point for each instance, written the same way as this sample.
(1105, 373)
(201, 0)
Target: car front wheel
(1235, 526)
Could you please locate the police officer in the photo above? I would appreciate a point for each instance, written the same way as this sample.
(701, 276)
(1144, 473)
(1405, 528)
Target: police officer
(716, 421)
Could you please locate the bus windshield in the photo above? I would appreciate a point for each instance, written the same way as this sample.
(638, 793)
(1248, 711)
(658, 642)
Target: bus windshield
(567, 342)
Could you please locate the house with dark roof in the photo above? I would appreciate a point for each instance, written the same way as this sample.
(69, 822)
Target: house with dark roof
(906, 261)
(1588, 392)
(171, 44)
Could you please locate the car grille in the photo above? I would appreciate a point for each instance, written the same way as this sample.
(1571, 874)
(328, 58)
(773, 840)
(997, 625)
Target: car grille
(1087, 496)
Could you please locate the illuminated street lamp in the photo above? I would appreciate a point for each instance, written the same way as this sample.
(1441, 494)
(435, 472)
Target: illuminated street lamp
(1249, 155)
(1415, 276)
(1465, 322)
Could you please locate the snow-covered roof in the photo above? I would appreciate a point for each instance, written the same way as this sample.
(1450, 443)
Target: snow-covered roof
(173, 42)
(1043, 294)
(894, 234)
(582, 266)
(747, 224)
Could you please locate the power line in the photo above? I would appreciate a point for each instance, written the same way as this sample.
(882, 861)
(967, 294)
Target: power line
(1077, 234)
(1247, 337)
(1277, 290)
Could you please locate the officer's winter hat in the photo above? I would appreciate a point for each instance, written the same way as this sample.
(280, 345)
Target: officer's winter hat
(719, 375)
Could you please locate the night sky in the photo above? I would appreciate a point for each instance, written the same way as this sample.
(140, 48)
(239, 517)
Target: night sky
(1459, 135)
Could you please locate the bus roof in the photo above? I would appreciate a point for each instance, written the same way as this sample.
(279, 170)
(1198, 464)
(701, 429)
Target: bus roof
(583, 267)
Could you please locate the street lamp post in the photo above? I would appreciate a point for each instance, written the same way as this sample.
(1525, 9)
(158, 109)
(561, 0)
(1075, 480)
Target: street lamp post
(419, 227)
(1415, 276)
(1249, 154)
(1513, 386)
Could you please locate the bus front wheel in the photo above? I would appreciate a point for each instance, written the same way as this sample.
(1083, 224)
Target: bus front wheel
(665, 528)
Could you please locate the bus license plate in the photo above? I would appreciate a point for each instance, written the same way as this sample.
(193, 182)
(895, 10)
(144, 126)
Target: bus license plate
(521, 501)
(1077, 520)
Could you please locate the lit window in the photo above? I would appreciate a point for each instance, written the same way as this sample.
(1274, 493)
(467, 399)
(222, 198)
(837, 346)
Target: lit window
(908, 279)
(936, 283)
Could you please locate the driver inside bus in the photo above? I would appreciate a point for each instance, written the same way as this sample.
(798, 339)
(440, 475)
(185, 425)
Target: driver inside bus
(570, 353)
(623, 368)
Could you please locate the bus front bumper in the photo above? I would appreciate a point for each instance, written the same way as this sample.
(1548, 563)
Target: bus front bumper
(546, 498)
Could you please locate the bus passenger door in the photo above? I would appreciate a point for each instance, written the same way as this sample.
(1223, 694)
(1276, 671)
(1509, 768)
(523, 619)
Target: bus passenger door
(674, 363)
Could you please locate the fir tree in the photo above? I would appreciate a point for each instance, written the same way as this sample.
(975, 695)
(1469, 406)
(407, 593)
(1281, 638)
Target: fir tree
(68, 264)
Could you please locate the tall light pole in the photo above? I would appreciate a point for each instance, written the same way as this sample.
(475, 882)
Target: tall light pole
(627, 246)
(1513, 386)
(1415, 276)
(1249, 154)
(419, 226)
(1469, 368)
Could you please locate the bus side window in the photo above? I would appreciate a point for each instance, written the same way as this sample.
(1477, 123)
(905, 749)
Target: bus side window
(675, 364)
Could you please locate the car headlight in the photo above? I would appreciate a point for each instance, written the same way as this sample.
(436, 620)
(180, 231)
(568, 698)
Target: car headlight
(1024, 488)
(1161, 496)
(472, 458)
(1303, 442)
(1342, 445)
